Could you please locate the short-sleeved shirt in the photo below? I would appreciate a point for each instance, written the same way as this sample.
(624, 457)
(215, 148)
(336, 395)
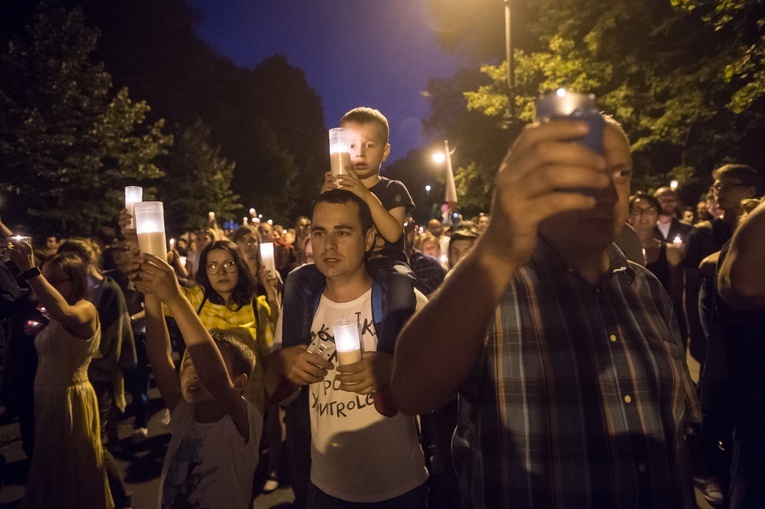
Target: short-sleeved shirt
(578, 393)
(209, 464)
(393, 194)
(357, 454)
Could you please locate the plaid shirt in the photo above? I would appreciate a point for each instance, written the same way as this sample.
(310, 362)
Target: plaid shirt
(577, 395)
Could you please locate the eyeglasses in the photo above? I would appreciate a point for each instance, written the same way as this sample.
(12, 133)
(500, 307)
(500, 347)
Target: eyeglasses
(725, 187)
(643, 212)
(214, 267)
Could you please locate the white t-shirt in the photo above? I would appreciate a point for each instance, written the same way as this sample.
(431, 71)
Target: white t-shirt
(357, 454)
(209, 464)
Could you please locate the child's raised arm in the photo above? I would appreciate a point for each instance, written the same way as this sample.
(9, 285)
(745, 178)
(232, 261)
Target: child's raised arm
(157, 278)
(158, 350)
(389, 223)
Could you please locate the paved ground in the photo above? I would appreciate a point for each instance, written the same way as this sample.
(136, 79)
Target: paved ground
(141, 464)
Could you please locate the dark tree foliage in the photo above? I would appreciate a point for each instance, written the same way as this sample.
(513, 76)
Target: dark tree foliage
(68, 143)
(197, 180)
(267, 120)
(686, 77)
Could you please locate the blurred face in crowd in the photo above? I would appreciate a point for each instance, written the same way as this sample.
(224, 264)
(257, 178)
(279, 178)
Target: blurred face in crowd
(483, 222)
(302, 227)
(458, 249)
(265, 232)
(249, 245)
(431, 248)
(729, 192)
(121, 251)
(643, 215)
(702, 211)
(51, 243)
(435, 228)
(204, 239)
(688, 216)
(668, 202)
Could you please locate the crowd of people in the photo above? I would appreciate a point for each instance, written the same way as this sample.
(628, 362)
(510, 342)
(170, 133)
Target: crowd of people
(533, 356)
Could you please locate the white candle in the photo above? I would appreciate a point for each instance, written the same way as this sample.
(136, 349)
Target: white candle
(339, 151)
(252, 212)
(211, 215)
(677, 242)
(244, 221)
(673, 185)
(347, 343)
(150, 227)
(267, 256)
(133, 195)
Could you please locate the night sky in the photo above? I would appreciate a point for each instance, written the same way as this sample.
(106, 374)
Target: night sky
(378, 53)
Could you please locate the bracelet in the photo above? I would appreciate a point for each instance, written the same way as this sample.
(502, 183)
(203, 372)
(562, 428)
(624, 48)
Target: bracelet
(30, 273)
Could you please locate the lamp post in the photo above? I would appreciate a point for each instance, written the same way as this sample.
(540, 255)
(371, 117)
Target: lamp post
(509, 56)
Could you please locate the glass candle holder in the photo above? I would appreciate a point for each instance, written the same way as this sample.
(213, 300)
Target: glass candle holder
(347, 341)
(133, 195)
(150, 227)
(339, 151)
(267, 256)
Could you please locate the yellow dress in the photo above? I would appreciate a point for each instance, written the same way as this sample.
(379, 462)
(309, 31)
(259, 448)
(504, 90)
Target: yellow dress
(67, 469)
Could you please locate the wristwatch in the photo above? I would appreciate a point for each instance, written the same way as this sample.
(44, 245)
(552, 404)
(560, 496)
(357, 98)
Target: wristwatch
(30, 273)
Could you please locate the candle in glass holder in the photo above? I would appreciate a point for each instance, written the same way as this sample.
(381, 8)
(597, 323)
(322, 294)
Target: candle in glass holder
(133, 195)
(347, 341)
(253, 212)
(150, 227)
(267, 256)
(677, 242)
(339, 151)
(673, 185)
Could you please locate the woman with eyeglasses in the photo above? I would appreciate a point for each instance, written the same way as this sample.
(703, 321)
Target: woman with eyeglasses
(662, 258)
(67, 468)
(226, 298)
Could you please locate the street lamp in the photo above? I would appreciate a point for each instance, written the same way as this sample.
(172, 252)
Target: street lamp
(509, 56)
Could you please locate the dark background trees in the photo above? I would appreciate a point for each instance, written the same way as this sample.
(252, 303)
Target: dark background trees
(686, 78)
(262, 129)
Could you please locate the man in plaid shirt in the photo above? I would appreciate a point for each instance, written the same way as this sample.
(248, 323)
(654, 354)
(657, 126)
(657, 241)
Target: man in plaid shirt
(569, 366)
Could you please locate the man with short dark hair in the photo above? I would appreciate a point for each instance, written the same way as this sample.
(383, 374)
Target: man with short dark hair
(343, 452)
(570, 371)
(732, 184)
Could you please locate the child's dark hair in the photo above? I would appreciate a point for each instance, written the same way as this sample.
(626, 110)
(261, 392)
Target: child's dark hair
(365, 115)
(242, 358)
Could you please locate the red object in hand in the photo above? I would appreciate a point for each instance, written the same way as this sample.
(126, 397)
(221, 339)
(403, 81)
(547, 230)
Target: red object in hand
(384, 402)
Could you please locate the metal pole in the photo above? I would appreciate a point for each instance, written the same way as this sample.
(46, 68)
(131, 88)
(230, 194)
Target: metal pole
(509, 57)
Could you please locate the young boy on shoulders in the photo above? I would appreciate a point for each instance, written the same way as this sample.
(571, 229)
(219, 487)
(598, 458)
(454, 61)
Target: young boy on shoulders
(390, 202)
(212, 455)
